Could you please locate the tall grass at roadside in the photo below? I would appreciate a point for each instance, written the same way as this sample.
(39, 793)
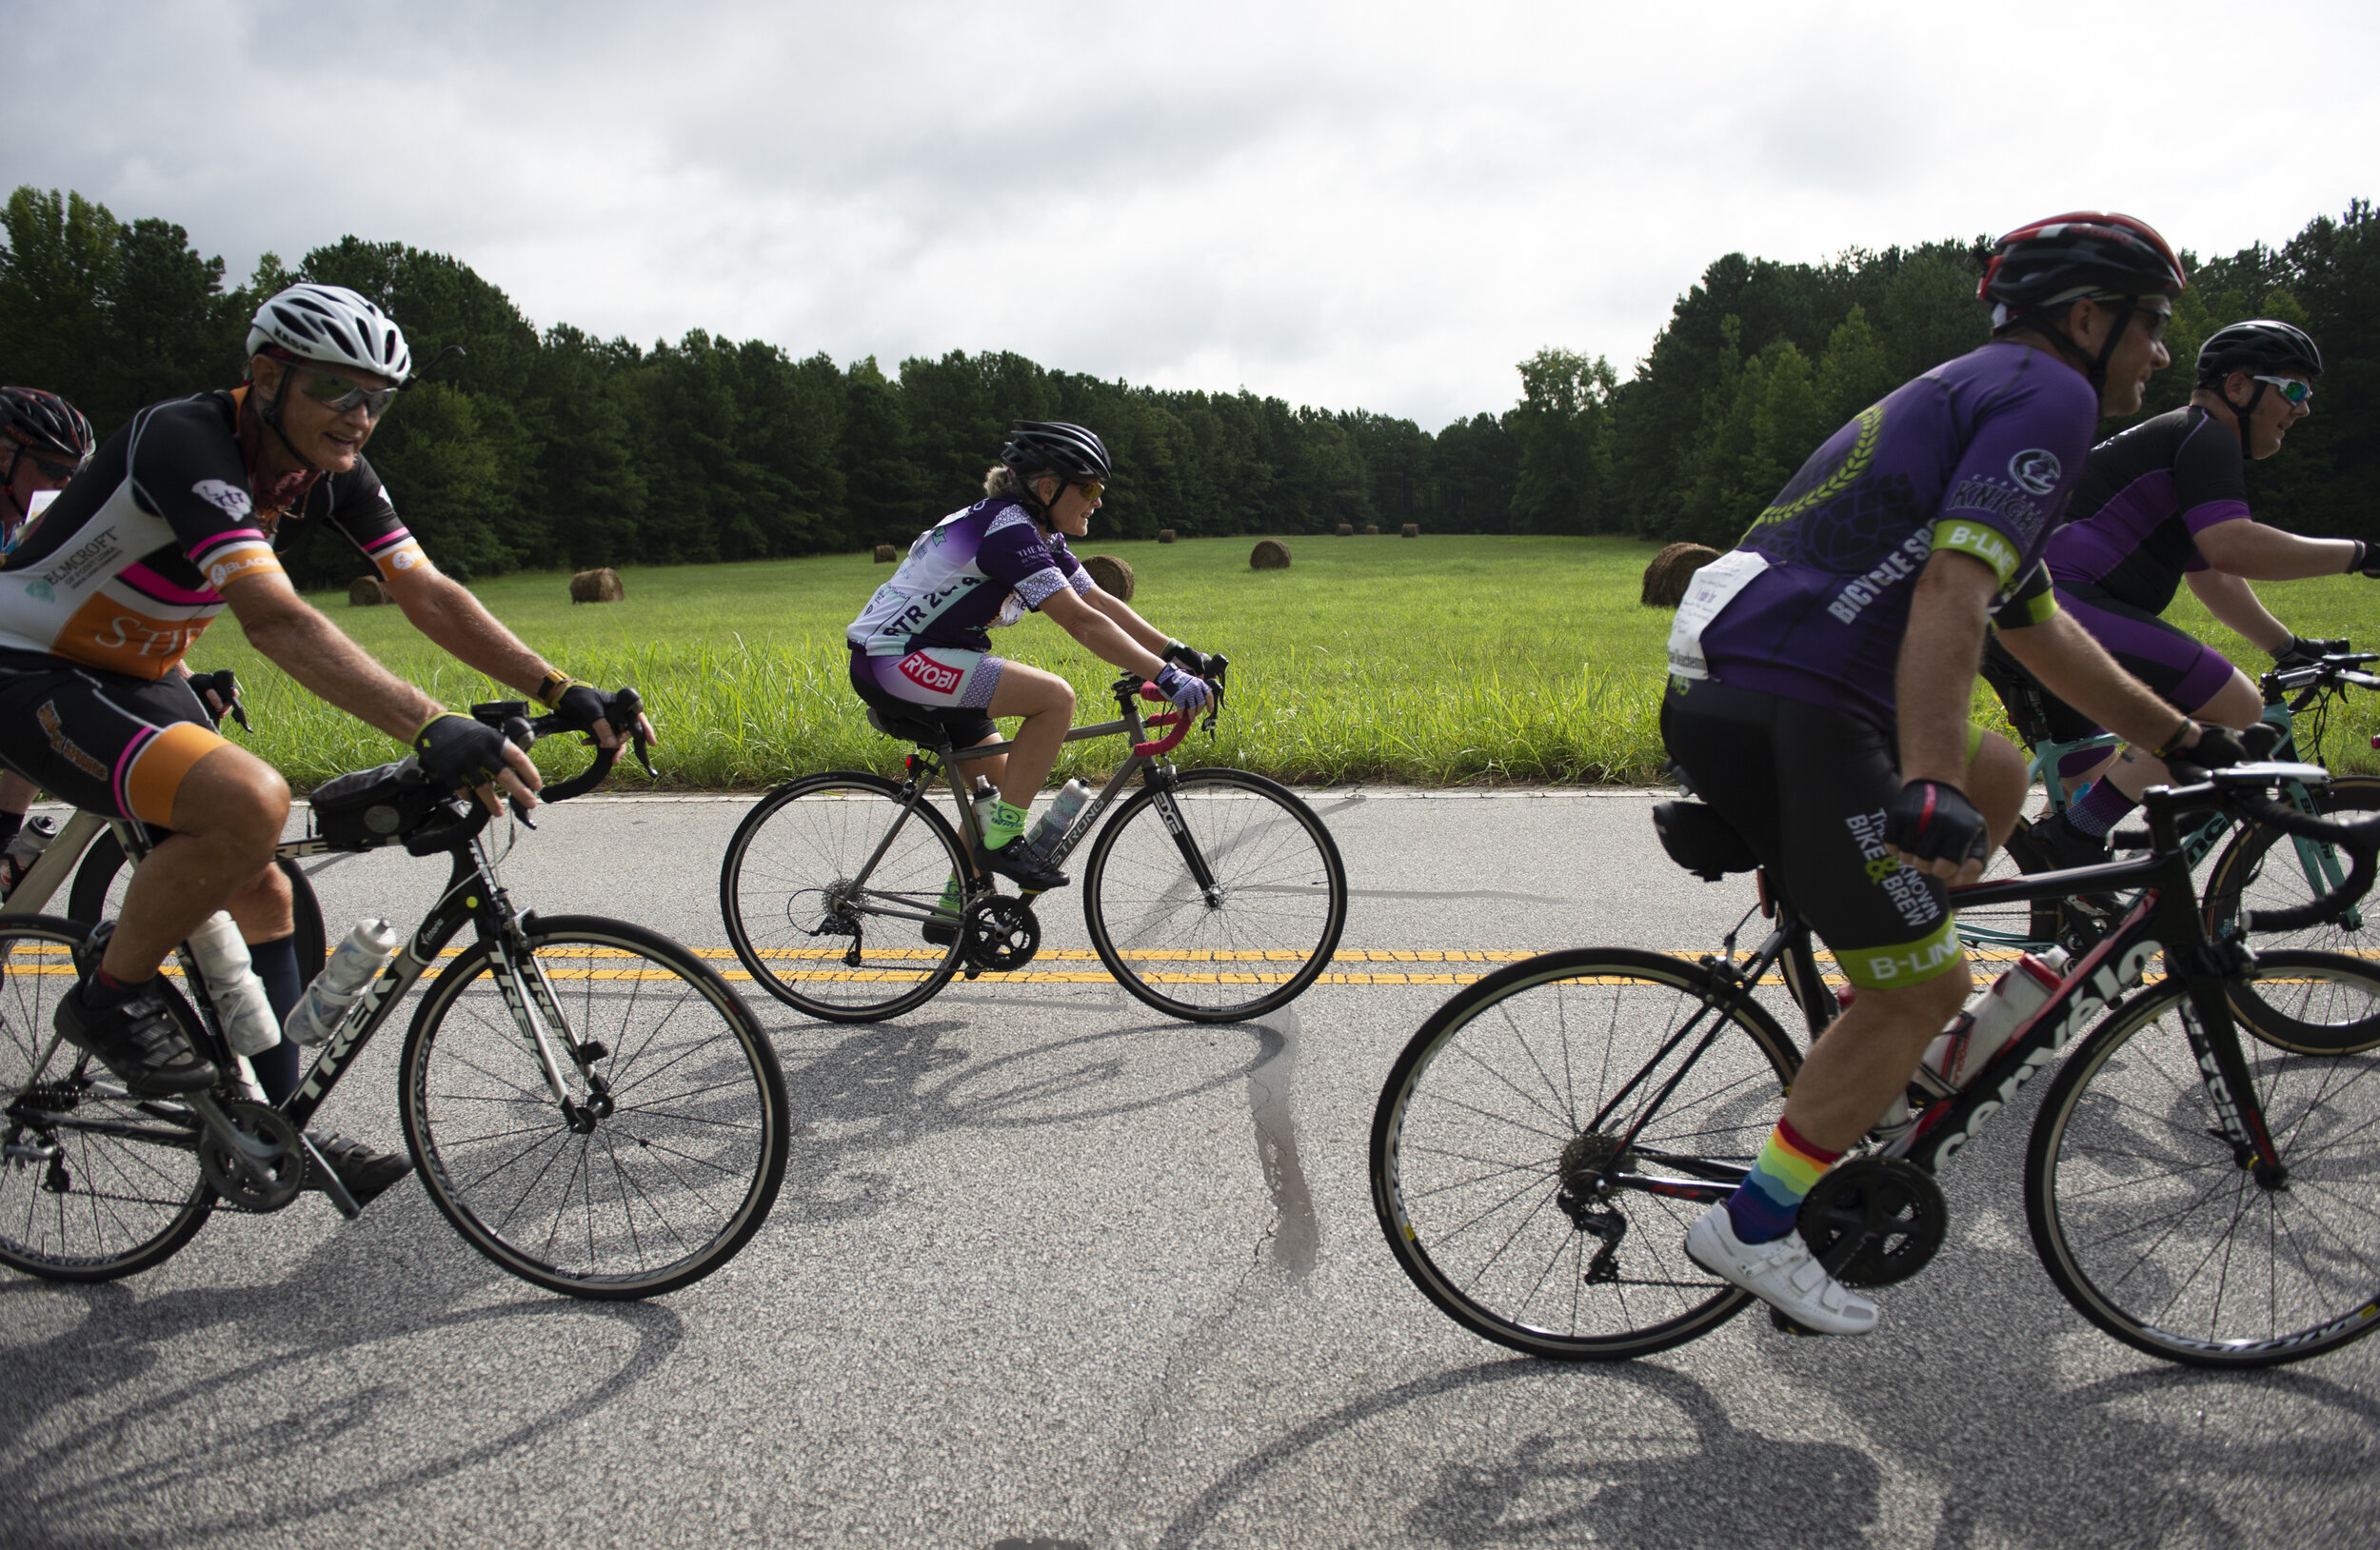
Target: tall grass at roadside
(1434, 660)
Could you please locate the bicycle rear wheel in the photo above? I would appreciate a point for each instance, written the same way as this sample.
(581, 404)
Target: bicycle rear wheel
(98, 895)
(1242, 944)
(644, 1191)
(1485, 1148)
(96, 1183)
(805, 922)
(2160, 1236)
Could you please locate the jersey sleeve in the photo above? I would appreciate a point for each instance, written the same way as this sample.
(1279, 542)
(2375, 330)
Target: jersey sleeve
(2030, 602)
(1012, 553)
(2020, 466)
(2209, 478)
(360, 508)
(184, 471)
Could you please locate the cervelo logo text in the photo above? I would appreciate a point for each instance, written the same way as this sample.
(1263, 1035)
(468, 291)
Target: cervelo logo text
(2107, 984)
(228, 499)
(926, 673)
(2035, 469)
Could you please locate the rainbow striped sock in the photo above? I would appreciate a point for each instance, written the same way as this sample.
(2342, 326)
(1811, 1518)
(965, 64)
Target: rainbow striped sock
(1765, 1206)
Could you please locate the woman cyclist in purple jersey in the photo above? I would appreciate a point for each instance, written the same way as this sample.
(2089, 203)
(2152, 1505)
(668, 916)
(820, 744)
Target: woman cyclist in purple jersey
(920, 648)
(2164, 502)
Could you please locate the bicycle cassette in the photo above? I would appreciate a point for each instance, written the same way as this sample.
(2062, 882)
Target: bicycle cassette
(1000, 933)
(1874, 1221)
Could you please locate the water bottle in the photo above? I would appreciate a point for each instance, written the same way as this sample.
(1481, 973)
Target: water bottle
(1977, 1036)
(354, 966)
(1059, 816)
(986, 799)
(232, 985)
(25, 849)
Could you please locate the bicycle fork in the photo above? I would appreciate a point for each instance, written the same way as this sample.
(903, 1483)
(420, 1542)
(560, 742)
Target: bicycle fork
(537, 1017)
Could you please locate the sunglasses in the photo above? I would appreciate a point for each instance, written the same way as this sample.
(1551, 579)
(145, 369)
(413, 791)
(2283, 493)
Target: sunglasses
(2289, 388)
(2157, 321)
(52, 470)
(1092, 488)
(336, 392)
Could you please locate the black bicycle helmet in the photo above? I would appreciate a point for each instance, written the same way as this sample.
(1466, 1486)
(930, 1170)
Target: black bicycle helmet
(2258, 344)
(45, 425)
(2067, 258)
(1038, 447)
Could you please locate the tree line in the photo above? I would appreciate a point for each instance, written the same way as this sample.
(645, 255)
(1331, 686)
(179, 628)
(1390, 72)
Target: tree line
(557, 448)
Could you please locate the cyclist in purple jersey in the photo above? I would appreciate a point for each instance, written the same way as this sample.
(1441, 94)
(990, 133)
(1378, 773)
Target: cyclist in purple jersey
(921, 647)
(2164, 502)
(1821, 675)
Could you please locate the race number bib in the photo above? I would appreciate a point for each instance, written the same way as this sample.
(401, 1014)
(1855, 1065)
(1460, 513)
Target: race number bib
(1712, 587)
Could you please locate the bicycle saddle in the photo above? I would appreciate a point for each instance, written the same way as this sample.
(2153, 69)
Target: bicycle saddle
(916, 730)
(1699, 840)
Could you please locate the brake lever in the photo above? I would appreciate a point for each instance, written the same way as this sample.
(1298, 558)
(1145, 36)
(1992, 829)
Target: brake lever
(520, 734)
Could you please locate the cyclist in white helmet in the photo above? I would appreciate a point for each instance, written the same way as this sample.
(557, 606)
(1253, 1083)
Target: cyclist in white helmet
(179, 516)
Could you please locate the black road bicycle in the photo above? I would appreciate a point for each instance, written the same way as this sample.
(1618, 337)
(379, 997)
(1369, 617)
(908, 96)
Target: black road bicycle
(1544, 1141)
(588, 1103)
(1213, 894)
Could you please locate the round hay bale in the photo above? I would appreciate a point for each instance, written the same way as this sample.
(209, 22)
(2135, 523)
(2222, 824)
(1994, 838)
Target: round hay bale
(1165, 535)
(367, 592)
(597, 587)
(1371, 530)
(1112, 574)
(1346, 529)
(1411, 529)
(885, 554)
(1666, 578)
(1272, 554)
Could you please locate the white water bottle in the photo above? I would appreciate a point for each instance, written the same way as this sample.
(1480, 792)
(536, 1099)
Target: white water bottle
(25, 847)
(1977, 1035)
(355, 966)
(232, 985)
(1059, 816)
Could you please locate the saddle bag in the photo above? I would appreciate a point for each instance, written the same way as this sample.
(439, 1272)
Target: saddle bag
(1699, 840)
(374, 806)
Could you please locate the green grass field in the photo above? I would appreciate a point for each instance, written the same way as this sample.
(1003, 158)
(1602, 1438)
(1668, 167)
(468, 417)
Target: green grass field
(1429, 661)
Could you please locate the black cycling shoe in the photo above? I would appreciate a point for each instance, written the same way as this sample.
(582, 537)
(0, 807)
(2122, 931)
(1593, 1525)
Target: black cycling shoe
(366, 1172)
(138, 1040)
(1019, 865)
(2065, 846)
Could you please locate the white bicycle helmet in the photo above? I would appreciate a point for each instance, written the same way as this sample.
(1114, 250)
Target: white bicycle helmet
(332, 326)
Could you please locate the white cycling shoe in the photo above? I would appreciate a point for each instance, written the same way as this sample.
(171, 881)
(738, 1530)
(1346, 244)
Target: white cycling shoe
(1782, 1273)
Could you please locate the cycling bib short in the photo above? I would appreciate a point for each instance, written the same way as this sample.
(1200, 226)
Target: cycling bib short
(946, 687)
(104, 741)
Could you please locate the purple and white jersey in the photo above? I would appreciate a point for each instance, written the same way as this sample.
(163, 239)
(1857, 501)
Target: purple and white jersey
(1979, 455)
(2144, 497)
(973, 571)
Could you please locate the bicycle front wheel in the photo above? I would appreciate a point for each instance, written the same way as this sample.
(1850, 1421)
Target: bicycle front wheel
(2160, 1235)
(2263, 869)
(1490, 1140)
(97, 1184)
(650, 1184)
(1216, 899)
(828, 890)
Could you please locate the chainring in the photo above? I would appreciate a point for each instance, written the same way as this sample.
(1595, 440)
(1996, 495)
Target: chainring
(1000, 933)
(1874, 1221)
(259, 1123)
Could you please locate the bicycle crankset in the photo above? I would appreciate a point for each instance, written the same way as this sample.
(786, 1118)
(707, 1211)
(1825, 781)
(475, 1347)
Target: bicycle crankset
(1000, 933)
(271, 1146)
(1874, 1221)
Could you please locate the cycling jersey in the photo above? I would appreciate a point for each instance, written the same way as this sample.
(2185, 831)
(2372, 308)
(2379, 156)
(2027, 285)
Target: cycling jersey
(1978, 455)
(121, 573)
(974, 571)
(2144, 497)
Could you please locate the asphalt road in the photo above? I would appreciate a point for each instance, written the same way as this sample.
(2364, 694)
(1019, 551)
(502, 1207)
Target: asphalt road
(1049, 1270)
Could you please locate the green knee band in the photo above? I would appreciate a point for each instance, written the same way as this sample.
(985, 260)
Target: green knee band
(1975, 740)
(1914, 962)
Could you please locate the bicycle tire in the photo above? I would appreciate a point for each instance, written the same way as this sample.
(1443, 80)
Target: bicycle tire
(710, 1130)
(94, 895)
(785, 887)
(114, 1206)
(2150, 1227)
(1279, 897)
(1490, 1096)
(2248, 875)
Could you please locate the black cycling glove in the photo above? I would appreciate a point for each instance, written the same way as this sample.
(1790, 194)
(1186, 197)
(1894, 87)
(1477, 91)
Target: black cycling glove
(583, 705)
(2366, 561)
(2220, 747)
(1189, 658)
(457, 752)
(2305, 651)
(1934, 821)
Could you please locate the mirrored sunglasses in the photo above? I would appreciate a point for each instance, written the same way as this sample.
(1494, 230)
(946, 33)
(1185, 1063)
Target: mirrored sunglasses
(2290, 388)
(1092, 488)
(336, 392)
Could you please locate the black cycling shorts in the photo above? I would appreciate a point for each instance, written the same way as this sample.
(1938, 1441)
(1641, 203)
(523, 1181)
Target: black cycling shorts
(2184, 672)
(966, 725)
(1807, 788)
(106, 743)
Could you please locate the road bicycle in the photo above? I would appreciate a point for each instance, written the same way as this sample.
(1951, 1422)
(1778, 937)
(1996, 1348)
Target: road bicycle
(1212, 895)
(588, 1103)
(1545, 1139)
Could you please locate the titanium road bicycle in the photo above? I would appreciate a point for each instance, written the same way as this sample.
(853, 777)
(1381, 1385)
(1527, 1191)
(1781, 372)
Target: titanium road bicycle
(588, 1102)
(1544, 1141)
(1213, 894)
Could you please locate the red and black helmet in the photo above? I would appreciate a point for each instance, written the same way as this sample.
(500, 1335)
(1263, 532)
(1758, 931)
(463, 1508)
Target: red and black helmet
(43, 424)
(2078, 254)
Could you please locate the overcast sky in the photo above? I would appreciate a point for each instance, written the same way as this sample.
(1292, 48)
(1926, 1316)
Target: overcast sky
(1379, 205)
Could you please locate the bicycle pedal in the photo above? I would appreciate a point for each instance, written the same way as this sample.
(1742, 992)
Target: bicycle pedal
(1786, 1325)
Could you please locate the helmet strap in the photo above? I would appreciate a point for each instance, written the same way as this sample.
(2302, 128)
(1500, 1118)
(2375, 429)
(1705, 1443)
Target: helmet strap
(2240, 414)
(7, 482)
